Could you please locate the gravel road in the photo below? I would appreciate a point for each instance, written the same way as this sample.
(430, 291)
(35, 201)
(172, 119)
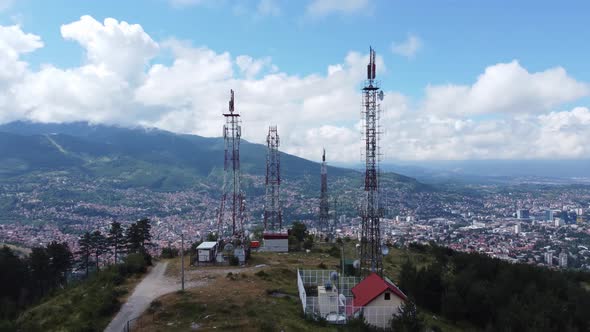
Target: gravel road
(154, 285)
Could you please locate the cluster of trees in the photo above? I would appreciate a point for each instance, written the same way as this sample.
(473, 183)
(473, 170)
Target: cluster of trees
(299, 237)
(496, 295)
(25, 280)
(93, 245)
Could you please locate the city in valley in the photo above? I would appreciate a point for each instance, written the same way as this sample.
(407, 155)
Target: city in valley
(545, 225)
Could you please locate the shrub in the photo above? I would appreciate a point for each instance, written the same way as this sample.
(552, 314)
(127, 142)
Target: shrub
(169, 252)
(134, 263)
(234, 260)
(308, 244)
(334, 251)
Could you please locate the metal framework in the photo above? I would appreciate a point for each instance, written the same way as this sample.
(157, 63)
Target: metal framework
(371, 256)
(273, 218)
(324, 221)
(335, 221)
(231, 211)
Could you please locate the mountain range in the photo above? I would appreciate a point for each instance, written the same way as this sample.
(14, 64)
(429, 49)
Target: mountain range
(137, 156)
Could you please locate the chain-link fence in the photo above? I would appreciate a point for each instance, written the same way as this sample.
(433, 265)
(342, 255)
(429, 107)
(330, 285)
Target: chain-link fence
(326, 295)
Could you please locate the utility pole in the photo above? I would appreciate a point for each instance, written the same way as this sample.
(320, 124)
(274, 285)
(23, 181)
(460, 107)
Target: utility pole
(182, 258)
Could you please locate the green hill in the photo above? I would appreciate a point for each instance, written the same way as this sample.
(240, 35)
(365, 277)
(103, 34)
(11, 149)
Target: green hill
(55, 166)
(98, 149)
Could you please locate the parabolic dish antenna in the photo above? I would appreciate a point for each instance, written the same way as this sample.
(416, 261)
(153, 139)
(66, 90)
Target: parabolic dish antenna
(342, 299)
(356, 264)
(334, 275)
(384, 250)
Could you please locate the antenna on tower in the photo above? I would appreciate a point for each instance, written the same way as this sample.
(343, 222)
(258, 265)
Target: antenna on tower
(231, 102)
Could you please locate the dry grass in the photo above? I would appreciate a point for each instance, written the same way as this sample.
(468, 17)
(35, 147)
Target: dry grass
(236, 301)
(244, 299)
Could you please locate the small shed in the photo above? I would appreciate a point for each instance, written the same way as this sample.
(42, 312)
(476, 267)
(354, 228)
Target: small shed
(206, 251)
(277, 242)
(378, 298)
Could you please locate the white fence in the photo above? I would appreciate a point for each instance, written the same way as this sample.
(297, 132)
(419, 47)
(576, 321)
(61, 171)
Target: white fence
(341, 311)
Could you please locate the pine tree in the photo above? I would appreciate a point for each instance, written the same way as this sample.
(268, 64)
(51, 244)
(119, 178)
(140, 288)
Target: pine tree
(60, 258)
(145, 232)
(99, 246)
(407, 318)
(40, 273)
(85, 244)
(138, 236)
(116, 238)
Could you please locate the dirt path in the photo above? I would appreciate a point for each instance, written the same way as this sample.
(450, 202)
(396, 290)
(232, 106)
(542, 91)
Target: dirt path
(154, 285)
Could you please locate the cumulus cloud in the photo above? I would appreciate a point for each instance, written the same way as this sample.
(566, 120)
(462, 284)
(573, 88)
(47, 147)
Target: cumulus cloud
(317, 8)
(251, 67)
(14, 43)
(506, 88)
(120, 82)
(409, 47)
(120, 47)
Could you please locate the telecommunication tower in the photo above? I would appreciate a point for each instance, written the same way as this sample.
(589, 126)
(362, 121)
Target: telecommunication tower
(334, 223)
(371, 251)
(323, 225)
(231, 211)
(272, 208)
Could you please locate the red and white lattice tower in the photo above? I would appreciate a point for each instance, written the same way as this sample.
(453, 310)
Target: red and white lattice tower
(231, 212)
(371, 255)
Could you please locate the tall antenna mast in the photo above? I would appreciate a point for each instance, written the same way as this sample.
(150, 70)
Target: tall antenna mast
(273, 218)
(323, 226)
(371, 255)
(231, 227)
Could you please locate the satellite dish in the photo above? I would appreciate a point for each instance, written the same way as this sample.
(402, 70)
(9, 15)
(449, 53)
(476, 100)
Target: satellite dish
(228, 247)
(358, 245)
(356, 264)
(384, 250)
(342, 299)
(380, 95)
(334, 275)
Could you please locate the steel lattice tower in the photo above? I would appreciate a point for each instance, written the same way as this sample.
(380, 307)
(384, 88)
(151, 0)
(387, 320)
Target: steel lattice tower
(324, 221)
(371, 256)
(231, 212)
(273, 218)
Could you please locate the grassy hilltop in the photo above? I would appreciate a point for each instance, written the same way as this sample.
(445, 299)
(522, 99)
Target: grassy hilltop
(257, 299)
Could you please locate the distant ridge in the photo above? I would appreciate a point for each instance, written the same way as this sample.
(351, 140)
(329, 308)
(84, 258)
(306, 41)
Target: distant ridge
(28, 146)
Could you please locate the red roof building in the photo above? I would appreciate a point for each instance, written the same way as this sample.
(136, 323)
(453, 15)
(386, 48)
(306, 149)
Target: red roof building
(371, 287)
(378, 298)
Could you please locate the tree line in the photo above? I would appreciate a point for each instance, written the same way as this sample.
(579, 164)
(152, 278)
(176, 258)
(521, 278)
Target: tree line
(495, 295)
(118, 240)
(26, 280)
